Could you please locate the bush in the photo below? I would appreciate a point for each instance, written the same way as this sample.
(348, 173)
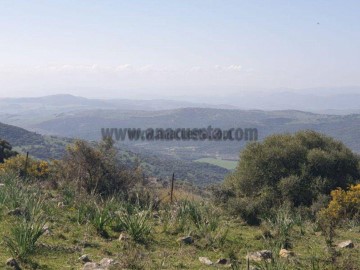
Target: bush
(344, 205)
(35, 169)
(96, 170)
(297, 168)
(6, 150)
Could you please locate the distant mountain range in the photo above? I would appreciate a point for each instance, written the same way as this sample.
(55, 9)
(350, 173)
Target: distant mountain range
(65, 103)
(340, 101)
(71, 116)
(78, 117)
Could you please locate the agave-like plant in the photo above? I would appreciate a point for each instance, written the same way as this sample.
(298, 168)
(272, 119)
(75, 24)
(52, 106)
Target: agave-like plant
(23, 237)
(136, 224)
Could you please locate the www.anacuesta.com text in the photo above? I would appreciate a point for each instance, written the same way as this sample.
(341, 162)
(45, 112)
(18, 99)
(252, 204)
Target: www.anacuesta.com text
(180, 134)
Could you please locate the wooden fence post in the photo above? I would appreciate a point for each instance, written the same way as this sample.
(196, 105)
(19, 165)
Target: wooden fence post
(172, 188)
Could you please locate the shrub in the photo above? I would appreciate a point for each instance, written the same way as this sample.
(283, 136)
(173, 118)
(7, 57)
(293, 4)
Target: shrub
(96, 170)
(6, 150)
(344, 205)
(35, 169)
(297, 168)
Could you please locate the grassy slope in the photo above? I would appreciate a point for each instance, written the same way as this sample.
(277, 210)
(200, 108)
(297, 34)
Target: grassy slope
(163, 252)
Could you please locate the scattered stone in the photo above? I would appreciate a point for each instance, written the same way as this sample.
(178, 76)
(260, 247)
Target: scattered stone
(222, 261)
(123, 237)
(107, 262)
(346, 244)
(104, 264)
(284, 253)
(205, 260)
(61, 204)
(263, 255)
(16, 212)
(84, 258)
(46, 230)
(92, 266)
(13, 263)
(186, 240)
(2, 185)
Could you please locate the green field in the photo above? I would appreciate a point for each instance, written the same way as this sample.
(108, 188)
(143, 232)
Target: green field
(227, 164)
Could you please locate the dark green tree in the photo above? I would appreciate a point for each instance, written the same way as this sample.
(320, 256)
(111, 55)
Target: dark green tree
(6, 150)
(294, 168)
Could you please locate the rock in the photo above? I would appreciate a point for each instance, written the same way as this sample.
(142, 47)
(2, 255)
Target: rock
(222, 261)
(46, 230)
(186, 240)
(263, 255)
(2, 185)
(123, 237)
(61, 204)
(92, 266)
(16, 212)
(107, 262)
(84, 258)
(13, 263)
(346, 244)
(104, 264)
(205, 260)
(284, 253)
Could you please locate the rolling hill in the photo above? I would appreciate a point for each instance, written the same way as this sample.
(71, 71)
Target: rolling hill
(52, 147)
(87, 125)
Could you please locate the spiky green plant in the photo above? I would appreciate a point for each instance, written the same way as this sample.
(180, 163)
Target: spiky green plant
(136, 225)
(23, 237)
(101, 217)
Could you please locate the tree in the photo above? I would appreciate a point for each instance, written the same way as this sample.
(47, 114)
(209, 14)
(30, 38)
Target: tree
(96, 169)
(6, 150)
(295, 168)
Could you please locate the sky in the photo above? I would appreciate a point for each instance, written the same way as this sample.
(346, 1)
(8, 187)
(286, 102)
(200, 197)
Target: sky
(144, 49)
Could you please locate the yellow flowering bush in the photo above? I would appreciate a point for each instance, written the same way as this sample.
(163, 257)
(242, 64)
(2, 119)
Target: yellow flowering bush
(38, 169)
(343, 205)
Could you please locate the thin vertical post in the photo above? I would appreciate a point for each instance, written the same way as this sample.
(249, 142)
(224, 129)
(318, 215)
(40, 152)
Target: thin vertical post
(26, 163)
(172, 188)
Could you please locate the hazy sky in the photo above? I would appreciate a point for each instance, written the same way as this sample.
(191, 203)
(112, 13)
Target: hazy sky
(145, 49)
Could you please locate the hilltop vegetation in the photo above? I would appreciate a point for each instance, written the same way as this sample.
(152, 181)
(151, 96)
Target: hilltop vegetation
(43, 147)
(88, 205)
(160, 166)
(299, 169)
